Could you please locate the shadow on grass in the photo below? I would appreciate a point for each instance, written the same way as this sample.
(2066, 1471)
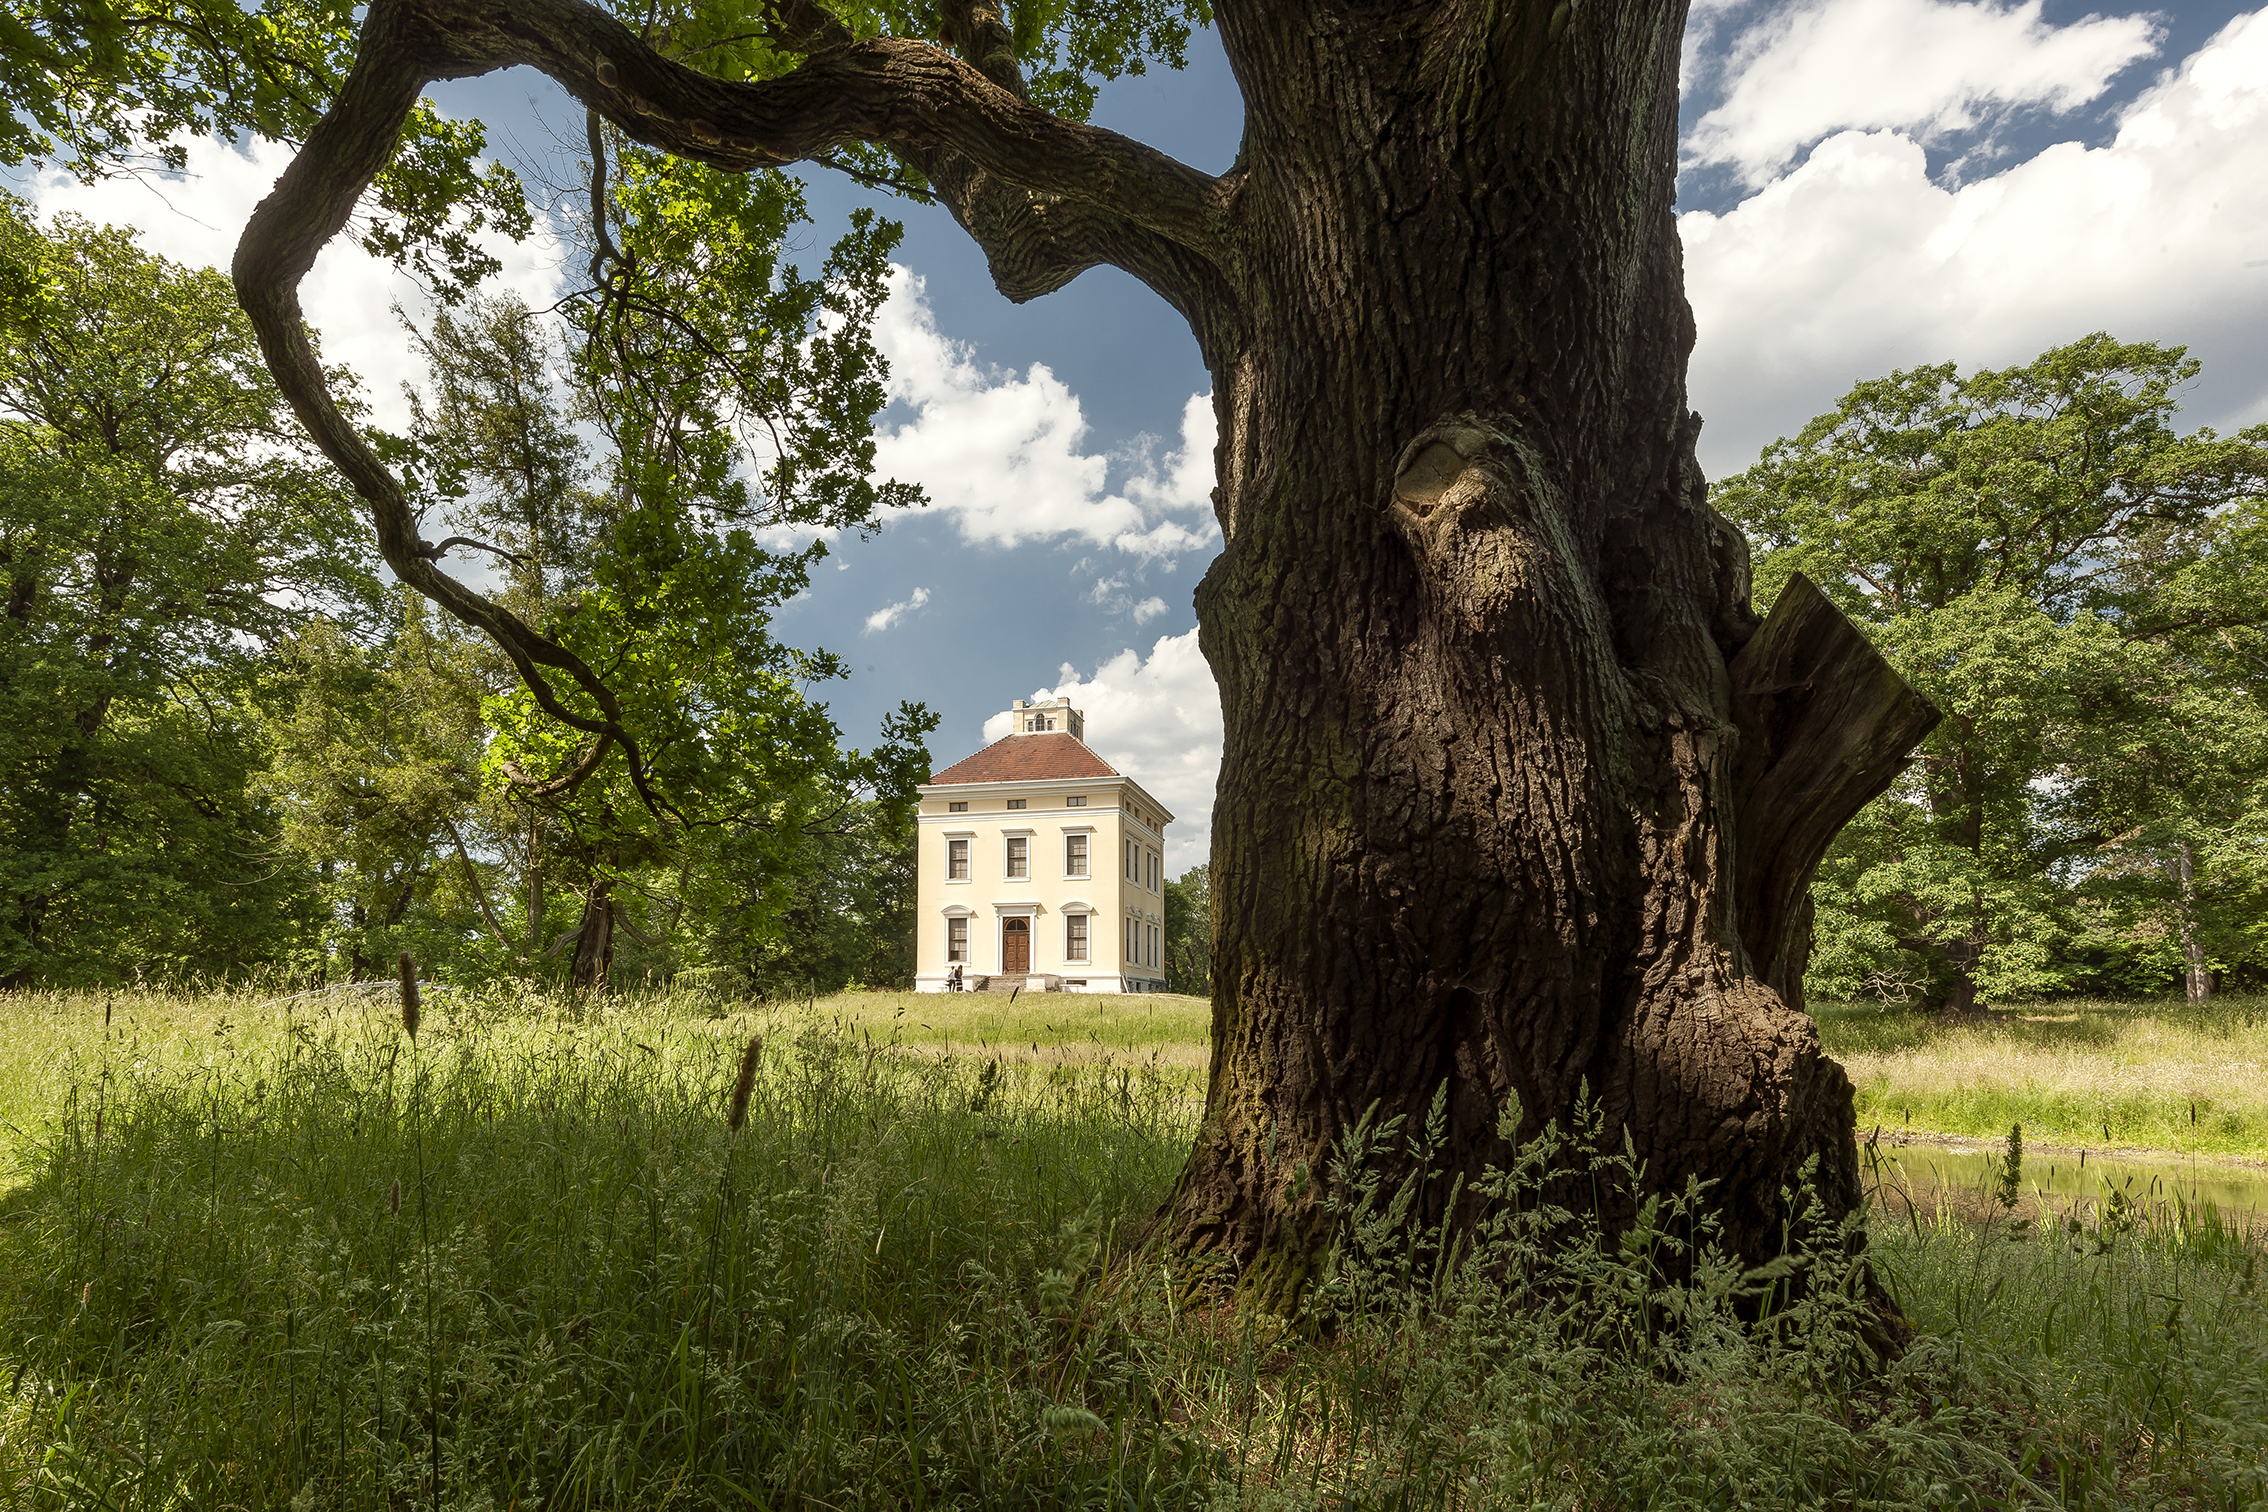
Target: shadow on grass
(902, 1282)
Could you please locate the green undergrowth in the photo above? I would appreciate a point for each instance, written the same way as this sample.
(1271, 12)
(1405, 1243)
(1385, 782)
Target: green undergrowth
(527, 1261)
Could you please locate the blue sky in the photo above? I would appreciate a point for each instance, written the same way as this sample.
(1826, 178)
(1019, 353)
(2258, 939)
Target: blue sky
(1866, 184)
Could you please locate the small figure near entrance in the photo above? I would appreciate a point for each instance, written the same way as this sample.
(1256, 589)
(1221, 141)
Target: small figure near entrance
(953, 980)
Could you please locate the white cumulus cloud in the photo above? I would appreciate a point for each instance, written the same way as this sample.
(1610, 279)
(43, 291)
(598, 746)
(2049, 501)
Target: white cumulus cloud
(1158, 720)
(1856, 262)
(1924, 66)
(195, 219)
(890, 614)
(1005, 452)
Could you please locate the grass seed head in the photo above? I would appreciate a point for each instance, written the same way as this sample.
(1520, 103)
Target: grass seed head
(409, 996)
(394, 1198)
(736, 1112)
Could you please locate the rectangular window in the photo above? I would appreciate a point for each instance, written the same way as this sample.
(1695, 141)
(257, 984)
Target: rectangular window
(956, 939)
(1130, 860)
(956, 808)
(1015, 803)
(1019, 858)
(1074, 937)
(1153, 871)
(1129, 939)
(957, 860)
(1074, 855)
(1078, 802)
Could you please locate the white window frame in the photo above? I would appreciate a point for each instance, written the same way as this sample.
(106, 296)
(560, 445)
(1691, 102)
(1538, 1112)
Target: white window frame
(1077, 950)
(1086, 838)
(967, 841)
(1010, 860)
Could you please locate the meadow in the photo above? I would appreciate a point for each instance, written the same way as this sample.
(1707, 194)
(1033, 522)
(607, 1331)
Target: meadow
(2082, 1073)
(282, 1255)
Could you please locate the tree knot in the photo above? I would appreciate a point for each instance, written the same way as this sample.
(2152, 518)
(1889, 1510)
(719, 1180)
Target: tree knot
(1439, 463)
(1473, 499)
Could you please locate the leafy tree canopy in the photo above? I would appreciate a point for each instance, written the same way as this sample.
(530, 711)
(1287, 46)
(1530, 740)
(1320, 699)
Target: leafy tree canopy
(162, 522)
(2079, 586)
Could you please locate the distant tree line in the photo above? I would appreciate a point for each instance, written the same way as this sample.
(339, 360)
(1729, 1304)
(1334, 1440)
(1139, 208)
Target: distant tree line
(1189, 932)
(226, 744)
(2082, 590)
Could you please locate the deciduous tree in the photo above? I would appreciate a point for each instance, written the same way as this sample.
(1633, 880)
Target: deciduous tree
(2076, 583)
(730, 394)
(162, 520)
(1518, 798)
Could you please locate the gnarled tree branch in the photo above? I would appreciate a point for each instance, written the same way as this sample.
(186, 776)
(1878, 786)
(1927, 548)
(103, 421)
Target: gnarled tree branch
(1046, 197)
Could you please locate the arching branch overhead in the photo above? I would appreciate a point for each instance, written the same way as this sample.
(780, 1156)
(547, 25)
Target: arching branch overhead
(1045, 197)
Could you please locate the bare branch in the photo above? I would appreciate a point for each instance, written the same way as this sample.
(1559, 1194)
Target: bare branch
(567, 781)
(434, 553)
(622, 917)
(472, 876)
(1825, 724)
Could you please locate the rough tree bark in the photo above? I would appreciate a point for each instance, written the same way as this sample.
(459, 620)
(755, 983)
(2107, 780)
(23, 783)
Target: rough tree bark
(2196, 976)
(593, 966)
(1516, 795)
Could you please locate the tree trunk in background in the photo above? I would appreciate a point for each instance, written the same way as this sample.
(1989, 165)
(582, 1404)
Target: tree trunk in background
(594, 942)
(2195, 976)
(1514, 795)
(1963, 956)
(535, 887)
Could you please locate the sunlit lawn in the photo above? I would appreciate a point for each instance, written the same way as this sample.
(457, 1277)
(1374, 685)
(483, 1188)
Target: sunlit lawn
(273, 1254)
(2083, 1073)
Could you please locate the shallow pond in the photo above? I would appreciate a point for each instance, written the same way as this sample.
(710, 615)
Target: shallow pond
(1928, 1174)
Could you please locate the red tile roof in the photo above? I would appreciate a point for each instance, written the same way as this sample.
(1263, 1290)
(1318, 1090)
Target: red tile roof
(1027, 758)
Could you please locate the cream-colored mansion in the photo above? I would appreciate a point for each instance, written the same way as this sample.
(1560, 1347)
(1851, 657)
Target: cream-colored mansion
(1041, 866)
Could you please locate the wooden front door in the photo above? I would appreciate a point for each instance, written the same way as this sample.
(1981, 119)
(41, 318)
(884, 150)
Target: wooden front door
(1015, 946)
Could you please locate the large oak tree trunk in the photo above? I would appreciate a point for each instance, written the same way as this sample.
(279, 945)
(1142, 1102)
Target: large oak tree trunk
(1517, 796)
(1514, 797)
(593, 967)
(2197, 977)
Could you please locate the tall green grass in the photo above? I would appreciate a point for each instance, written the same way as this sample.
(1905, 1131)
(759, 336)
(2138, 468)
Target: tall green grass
(219, 1284)
(912, 1278)
(2090, 1074)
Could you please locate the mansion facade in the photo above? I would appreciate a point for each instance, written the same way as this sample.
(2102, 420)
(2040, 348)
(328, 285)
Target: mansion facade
(1040, 866)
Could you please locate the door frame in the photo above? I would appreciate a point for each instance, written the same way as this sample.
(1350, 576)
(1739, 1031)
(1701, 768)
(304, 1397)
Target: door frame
(1029, 913)
(1007, 968)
